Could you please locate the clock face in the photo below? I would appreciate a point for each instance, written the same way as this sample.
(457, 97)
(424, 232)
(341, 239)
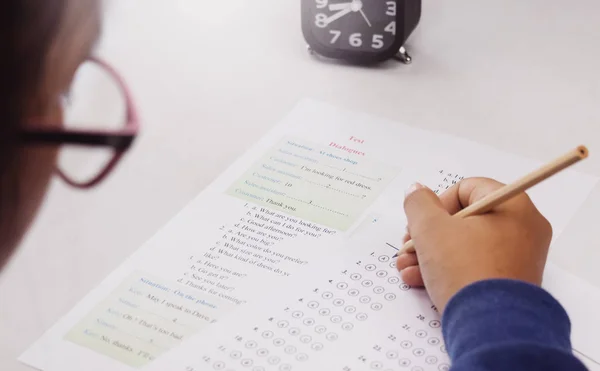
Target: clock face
(352, 26)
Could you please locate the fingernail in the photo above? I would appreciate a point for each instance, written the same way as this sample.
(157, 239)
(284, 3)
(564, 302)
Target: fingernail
(412, 188)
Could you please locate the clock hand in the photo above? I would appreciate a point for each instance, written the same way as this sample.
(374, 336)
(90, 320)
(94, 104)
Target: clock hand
(365, 17)
(338, 15)
(339, 6)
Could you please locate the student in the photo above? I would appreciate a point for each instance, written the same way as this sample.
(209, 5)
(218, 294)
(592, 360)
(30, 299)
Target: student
(482, 272)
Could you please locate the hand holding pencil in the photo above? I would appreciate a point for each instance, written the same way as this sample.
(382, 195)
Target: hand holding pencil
(479, 229)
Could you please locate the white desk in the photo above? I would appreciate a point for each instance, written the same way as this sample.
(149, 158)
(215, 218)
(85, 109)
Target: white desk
(211, 77)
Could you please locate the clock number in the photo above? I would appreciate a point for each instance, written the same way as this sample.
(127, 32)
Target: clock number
(391, 28)
(336, 35)
(355, 40)
(322, 4)
(377, 42)
(321, 20)
(391, 10)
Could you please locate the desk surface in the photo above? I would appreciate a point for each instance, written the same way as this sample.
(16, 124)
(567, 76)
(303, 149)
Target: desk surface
(212, 79)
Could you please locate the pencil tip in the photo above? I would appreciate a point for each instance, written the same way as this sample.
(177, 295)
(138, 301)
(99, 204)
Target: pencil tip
(395, 256)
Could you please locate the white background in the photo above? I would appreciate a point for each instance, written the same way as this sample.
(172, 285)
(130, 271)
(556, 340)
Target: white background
(211, 77)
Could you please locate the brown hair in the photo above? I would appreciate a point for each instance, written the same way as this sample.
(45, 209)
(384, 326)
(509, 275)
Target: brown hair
(27, 28)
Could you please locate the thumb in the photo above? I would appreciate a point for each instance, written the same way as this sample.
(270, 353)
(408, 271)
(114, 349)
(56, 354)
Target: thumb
(422, 206)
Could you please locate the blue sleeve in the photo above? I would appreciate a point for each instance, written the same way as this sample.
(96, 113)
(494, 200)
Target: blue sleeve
(507, 325)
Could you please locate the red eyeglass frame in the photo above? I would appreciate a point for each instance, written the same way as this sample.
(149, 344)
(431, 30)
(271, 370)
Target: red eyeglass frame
(119, 140)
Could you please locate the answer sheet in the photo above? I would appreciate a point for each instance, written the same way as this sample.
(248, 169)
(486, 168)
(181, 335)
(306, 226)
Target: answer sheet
(320, 177)
(353, 313)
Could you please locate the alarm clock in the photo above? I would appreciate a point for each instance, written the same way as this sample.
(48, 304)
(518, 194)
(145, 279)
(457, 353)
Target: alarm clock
(360, 31)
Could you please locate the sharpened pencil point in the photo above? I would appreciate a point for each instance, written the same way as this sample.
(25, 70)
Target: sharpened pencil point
(395, 256)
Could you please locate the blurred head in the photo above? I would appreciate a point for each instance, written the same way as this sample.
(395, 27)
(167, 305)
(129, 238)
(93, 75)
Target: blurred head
(42, 44)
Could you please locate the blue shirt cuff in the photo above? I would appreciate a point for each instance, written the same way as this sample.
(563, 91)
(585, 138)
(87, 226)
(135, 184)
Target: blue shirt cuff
(501, 312)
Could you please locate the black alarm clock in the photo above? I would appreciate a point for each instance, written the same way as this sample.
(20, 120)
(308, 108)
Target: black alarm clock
(360, 31)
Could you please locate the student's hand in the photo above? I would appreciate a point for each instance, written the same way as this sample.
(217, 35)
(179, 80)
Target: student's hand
(511, 241)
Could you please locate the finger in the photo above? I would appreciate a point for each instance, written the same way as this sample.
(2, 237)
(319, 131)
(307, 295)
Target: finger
(421, 206)
(406, 237)
(406, 260)
(467, 192)
(412, 276)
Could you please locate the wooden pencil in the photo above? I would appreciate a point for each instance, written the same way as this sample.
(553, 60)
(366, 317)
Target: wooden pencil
(509, 191)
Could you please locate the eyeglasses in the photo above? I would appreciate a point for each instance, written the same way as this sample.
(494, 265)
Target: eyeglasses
(109, 87)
